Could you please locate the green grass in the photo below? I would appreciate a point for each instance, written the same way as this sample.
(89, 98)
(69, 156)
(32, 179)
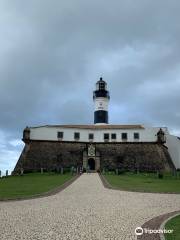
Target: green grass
(144, 182)
(30, 184)
(173, 224)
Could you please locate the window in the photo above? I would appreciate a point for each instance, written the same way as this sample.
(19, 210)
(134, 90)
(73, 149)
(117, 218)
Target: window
(136, 136)
(106, 137)
(124, 136)
(113, 136)
(76, 135)
(91, 136)
(60, 135)
(101, 85)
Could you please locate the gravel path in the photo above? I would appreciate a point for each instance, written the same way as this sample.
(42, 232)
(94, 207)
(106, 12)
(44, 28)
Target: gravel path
(84, 210)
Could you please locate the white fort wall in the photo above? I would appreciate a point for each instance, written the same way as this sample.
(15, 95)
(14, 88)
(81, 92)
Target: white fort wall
(173, 144)
(50, 133)
(148, 134)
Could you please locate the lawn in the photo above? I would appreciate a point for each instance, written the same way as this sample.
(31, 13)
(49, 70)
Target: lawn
(173, 224)
(30, 184)
(144, 182)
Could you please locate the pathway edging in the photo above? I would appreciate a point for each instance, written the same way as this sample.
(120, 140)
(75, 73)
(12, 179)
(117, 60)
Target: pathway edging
(155, 224)
(162, 237)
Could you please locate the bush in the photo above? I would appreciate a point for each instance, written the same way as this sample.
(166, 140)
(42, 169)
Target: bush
(121, 171)
(27, 171)
(160, 175)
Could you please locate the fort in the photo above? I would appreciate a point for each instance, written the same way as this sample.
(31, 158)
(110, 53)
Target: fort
(100, 145)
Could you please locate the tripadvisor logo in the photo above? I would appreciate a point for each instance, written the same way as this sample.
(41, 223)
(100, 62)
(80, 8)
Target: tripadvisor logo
(139, 231)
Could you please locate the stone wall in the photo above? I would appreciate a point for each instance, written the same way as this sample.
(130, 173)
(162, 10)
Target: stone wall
(53, 155)
(50, 155)
(134, 156)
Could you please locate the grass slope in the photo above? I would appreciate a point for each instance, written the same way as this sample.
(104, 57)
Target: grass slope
(30, 184)
(144, 183)
(173, 224)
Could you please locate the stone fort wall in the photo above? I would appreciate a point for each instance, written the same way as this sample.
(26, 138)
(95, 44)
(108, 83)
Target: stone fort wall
(54, 155)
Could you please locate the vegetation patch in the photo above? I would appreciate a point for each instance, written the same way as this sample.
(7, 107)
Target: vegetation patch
(173, 224)
(144, 182)
(31, 184)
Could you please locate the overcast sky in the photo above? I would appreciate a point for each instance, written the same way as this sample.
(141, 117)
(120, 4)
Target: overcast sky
(52, 53)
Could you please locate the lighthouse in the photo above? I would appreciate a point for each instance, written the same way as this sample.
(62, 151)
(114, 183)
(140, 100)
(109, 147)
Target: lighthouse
(101, 100)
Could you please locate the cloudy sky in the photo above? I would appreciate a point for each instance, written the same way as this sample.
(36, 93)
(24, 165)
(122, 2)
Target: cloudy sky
(52, 53)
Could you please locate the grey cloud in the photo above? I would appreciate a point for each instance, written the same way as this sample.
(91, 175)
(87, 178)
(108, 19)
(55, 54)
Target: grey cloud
(53, 52)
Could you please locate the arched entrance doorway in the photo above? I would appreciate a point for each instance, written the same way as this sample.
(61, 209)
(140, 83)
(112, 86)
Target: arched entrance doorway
(91, 163)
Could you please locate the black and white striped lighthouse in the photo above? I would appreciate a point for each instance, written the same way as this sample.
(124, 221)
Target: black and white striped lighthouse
(101, 100)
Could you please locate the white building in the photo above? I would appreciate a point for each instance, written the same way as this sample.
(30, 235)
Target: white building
(102, 132)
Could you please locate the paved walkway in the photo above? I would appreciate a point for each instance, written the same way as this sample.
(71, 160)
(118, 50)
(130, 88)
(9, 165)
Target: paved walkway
(84, 210)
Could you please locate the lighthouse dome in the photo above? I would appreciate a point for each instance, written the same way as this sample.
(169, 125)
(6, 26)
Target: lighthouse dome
(101, 84)
(101, 89)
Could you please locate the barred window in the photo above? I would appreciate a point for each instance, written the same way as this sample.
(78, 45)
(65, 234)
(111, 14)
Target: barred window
(106, 136)
(76, 135)
(136, 135)
(113, 136)
(124, 136)
(91, 136)
(60, 135)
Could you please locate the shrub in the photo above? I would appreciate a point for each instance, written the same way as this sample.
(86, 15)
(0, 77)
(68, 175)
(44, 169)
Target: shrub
(160, 175)
(121, 171)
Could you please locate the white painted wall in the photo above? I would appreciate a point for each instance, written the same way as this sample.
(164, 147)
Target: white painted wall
(101, 103)
(173, 144)
(50, 133)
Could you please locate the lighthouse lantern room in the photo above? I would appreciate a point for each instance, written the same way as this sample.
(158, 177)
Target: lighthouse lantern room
(101, 100)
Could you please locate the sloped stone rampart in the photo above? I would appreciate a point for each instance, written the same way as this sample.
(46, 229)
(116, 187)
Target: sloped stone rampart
(54, 155)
